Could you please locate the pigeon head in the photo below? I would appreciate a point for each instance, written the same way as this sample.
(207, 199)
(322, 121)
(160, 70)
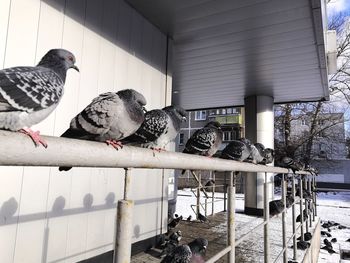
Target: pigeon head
(245, 141)
(213, 124)
(134, 102)
(202, 242)
(269, 155)
(59, 60)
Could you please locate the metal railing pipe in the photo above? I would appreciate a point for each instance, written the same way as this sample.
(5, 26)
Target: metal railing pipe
(231, 232)
(219, 255)
(284, 237)
(198, 194)
(314, 194)
(213, 192)
(311, 202)
(301, 209)
(293, 220)
(82, 153)
(306, 203)
(266, 219)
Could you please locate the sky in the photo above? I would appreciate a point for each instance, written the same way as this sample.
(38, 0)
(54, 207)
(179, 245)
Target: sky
(335, 6)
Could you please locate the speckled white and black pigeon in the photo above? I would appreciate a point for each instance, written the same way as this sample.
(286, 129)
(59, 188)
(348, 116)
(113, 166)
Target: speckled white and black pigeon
(158, 129)
(205, 141)
(109, 118)
(29, 94)
(181, 254)
(238, 150)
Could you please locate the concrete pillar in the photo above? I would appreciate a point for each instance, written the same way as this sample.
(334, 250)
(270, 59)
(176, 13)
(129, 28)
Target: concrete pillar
(259, 125)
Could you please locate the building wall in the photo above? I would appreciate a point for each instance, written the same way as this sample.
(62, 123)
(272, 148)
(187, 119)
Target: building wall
(48, 216)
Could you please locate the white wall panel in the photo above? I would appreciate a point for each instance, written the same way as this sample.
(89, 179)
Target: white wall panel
(73, 213)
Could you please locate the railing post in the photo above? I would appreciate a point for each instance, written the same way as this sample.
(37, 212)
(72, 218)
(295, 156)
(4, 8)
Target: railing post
(313, 197)
(198, 193)
(231, 218)
(122, 249)
(301, 209)
(293, 218)
(306, 202)
(225, 190)
(266, 219)
(311, 202)
(213, 193)
(284, 237)
(314, 194)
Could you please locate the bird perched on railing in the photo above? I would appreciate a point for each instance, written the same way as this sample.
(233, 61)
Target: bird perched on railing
(289, 163)
(181, 254)
(306, 193)
(158, 129)
(260, 154)
(198, 246)
(305, 215)
(29, 94)
(311, 170)
(210, 183)
(238, 150)
(205, 141)
(108, 118)
(276, 206)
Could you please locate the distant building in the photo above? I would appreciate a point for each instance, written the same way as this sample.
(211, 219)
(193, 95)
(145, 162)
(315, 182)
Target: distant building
(231, 120)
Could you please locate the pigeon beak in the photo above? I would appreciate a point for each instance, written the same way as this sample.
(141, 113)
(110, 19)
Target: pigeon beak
(184, 118)
(144, 109)
(75, 67)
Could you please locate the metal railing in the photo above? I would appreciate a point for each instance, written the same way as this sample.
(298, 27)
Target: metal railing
(79, 153)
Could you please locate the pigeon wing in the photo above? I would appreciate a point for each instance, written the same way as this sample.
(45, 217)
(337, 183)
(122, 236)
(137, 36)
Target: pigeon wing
(201, 141)
(29, 88)
(96, 118)
(154, 125)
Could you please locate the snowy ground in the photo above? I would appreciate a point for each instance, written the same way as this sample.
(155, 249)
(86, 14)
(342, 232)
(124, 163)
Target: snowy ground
(331, 206)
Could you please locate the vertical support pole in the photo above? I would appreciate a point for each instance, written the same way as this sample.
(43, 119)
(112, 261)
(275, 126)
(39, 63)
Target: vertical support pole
(311, 202)
(266, 219)
(231, 218)
(205, 206)
(213, 194)
(122, 249)
(198, 193)
(225, 190)
(301, 209)
(315, 197)
(306, 202)
(284, 237)
(293, 218)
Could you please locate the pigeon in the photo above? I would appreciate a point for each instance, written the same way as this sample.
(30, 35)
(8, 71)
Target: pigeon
(305, 216)
(269, 155)
(289, 201)
(289, 163)
(257, 153)
(109, 118)
(306, 193)
(348, 240)
(173, 223)
(202, 218)
(238, 150)
(205, 141)
(29, 94)
(330, 250)
(334, 240)
(189, 218)
(158, 129)
(307, 236)
(302, 245)
(198, 246)
(181, 254)
(276, 207)
(176, 236)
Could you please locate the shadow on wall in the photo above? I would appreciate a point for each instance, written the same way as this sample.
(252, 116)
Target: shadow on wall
(121, 24)
(9, 208)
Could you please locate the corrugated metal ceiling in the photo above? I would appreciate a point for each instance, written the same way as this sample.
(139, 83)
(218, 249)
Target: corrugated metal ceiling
(225, 50)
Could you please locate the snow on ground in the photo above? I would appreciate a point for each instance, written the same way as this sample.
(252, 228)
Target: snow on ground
(332, 206)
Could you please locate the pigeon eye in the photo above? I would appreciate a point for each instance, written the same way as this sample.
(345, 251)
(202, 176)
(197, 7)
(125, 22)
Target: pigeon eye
(70, 58)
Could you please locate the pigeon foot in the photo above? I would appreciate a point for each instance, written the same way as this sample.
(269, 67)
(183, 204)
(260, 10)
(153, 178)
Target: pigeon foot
(35, 136)
(116, 144)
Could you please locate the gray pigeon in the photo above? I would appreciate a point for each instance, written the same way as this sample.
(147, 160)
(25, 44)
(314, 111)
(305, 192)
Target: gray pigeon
(29, 94)
(238, 150)
(257, 153)
(198, 246)
(289, 163)
(109, 118)
(159, 128)
(181, 254)
(205, 141)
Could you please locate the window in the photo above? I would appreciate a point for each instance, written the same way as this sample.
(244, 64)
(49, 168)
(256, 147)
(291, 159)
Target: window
(226, 136)
(320, 122)
(181, 139)
(229, 111)
(303, 122)
(217, 112)
(223, 111)
(200, 115)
